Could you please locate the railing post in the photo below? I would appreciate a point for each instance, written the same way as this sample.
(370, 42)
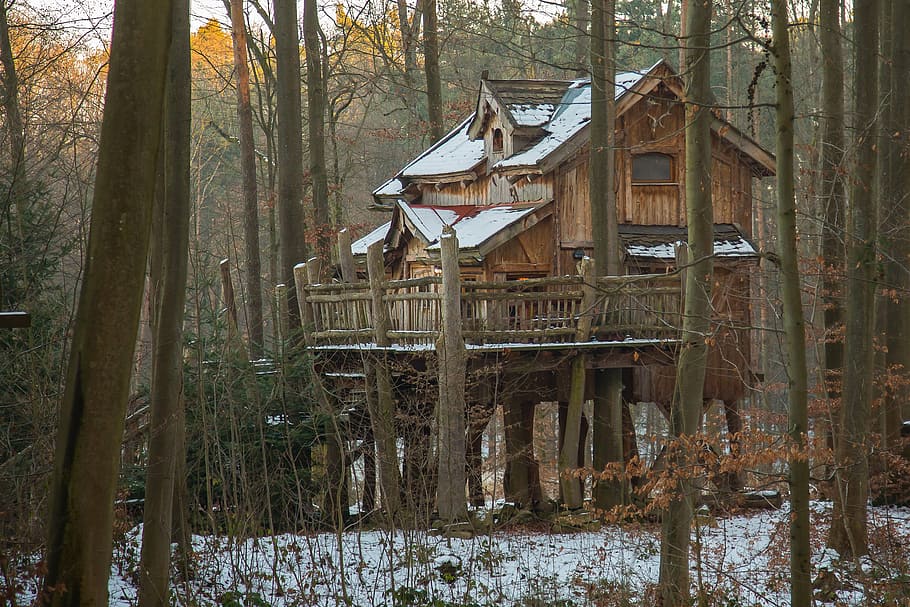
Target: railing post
(588, 299)
(450, 349)
(380, 312)
(346, 257)
(306, 311)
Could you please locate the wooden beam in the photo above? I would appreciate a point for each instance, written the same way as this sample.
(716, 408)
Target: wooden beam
(15, 320)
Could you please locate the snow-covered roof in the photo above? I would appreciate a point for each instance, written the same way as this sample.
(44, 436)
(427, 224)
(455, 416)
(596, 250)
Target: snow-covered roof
(453, 154)
(572, 114)
(531, 114)
(473, 226)
(390, 189)
(360, 246)
(660, 242)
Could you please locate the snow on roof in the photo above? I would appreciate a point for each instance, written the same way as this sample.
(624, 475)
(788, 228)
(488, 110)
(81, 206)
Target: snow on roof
(391, 188)
(531, 114)
(360, 246)
(455, 153)
(572, 114)
(473, 225)
(660, 242)
(474, 230)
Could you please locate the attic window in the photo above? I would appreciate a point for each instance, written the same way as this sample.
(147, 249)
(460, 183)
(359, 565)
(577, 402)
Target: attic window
(497, 141)
(652, 168)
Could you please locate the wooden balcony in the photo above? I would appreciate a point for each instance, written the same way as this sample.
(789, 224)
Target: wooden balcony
(541, 312)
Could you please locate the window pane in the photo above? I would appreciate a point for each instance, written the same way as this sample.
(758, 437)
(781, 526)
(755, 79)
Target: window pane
(652, 167)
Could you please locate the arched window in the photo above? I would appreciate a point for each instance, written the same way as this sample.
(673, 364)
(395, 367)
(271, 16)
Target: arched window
(497, 141)
(652, 167)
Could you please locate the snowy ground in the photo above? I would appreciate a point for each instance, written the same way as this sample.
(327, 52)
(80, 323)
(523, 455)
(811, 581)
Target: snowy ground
(740, 561)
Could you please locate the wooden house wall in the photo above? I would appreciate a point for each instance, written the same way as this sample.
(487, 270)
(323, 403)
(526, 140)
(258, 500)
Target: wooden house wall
(653, 125)
(531, 253)
(486, 190)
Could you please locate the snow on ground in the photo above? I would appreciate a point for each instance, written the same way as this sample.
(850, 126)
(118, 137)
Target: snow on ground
(741, 558)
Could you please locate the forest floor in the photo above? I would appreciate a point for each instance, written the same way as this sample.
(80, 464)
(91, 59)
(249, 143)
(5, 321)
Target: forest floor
(738, 560)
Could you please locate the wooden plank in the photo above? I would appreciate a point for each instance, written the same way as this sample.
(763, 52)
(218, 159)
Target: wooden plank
(15, 320)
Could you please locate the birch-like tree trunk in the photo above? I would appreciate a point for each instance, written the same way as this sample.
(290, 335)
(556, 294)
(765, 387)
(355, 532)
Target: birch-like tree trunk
(849, 535)
(248, 175)
(168, 271)
(93, 408)
(794, 325)
(686, 411)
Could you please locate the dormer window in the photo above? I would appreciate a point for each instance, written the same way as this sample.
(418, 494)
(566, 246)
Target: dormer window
(497, 141)
(652, 167)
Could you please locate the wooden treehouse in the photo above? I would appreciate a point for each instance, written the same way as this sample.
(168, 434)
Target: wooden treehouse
(512, 182)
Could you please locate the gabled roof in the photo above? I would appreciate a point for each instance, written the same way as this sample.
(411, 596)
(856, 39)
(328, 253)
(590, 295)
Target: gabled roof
(658, 243)
(480, 229)
(360, 246)
(558, 112)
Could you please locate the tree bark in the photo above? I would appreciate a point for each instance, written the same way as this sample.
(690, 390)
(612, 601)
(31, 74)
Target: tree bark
(248, 174)
(686, 411)
(794, 325)
(431, 67)
(833, 195)
(450, 491)
(93, 408)
(10, 82)
(316, 102)
(848, 528)
(607, 420)
(291, 226)
(170, 234)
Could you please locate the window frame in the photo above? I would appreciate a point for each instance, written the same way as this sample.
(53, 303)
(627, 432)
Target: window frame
(671, 177)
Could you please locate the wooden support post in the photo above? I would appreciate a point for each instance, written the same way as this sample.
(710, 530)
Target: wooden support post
(306, 310)
(450, 349)
(569, 486)
(346, 257)
(479, 416)
(380, 400)
(281, 304)
(522, 479)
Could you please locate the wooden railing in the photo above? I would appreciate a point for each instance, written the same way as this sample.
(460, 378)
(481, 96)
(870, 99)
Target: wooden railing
(540, 310)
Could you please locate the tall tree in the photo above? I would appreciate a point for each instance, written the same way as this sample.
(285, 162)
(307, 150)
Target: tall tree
(794, 324)
(10, 92)
(248, 175)
(93, 408)
(849, 534)
(685, 414)
(316, 102)
(895, 214)
(431, 67)
(602, 191)
(168, 273)
(290, 150)
(832, 189)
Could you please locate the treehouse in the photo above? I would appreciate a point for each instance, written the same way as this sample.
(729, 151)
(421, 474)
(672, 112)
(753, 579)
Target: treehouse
(511, 181)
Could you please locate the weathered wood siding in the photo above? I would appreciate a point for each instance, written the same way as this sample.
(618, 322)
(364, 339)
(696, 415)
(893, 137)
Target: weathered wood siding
(531, 253)
(488, 190)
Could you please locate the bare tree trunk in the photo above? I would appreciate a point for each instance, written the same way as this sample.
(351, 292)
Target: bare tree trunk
(794, 325)
(848, 528)
(685, 415)
(581, 18)
(93, 408)
(10, 82)
(248, 173)
(833, 196)
(292, 246)
(431, 67)
(168, 287)
(315, 93)
(895, 214)
(607, 382)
